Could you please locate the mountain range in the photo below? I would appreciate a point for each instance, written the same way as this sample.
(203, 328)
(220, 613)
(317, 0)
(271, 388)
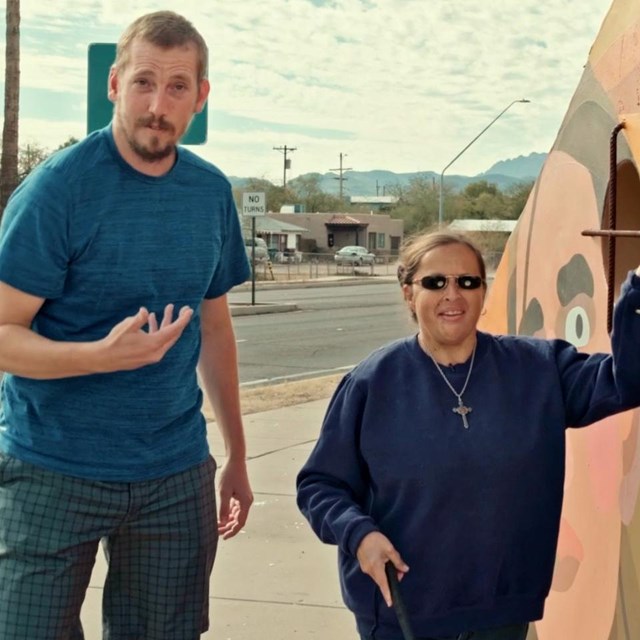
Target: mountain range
(503, 174)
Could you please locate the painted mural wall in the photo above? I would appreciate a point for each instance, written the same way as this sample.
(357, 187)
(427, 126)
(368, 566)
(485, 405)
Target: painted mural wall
(552, 282)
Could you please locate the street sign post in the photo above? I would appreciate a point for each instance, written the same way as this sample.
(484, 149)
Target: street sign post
(100, 108)
(254, 203)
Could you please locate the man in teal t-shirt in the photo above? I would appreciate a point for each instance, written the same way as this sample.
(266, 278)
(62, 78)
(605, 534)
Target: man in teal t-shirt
(116, 255)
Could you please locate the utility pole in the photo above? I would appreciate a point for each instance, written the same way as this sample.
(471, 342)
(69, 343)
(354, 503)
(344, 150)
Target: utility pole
(287, 163)
(341, 170)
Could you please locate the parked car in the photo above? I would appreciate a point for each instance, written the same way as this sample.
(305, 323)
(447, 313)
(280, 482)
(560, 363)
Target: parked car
(262, 251)
(354, 255)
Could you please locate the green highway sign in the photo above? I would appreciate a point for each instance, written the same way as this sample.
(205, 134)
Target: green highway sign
(100, 108)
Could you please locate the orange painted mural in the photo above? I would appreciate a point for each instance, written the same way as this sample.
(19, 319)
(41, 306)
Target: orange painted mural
(552, 282)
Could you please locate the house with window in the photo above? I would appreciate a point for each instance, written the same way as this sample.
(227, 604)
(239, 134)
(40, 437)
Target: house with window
(280, 236)
(328, 232)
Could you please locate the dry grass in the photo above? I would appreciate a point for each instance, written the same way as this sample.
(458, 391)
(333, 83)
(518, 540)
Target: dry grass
(282, 395)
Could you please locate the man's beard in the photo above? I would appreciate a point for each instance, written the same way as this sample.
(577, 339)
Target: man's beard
(153, 153)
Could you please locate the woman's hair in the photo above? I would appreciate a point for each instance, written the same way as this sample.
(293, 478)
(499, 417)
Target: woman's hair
(417, 246)
(164, 29)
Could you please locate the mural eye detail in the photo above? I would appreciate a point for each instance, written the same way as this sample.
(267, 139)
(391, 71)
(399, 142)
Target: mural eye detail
(577, 328)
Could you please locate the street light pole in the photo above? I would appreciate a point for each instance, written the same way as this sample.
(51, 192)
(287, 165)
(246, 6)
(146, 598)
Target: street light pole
(441, 199)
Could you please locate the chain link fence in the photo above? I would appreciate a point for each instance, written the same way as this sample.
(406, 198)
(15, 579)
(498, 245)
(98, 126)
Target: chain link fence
(310, 266)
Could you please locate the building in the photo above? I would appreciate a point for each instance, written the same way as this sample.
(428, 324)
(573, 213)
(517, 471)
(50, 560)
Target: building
(279, 235)
(328, 232)
(465, 225)
(377, 203)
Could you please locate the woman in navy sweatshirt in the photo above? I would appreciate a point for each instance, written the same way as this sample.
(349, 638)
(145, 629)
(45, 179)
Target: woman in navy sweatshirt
(444, 454)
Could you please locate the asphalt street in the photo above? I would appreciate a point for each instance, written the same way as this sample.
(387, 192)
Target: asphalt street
(331, 329)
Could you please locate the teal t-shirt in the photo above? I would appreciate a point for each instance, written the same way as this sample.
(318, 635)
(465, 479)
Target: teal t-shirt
(98, 240)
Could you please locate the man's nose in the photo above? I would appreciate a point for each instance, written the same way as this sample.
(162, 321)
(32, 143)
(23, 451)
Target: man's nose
(158, 104)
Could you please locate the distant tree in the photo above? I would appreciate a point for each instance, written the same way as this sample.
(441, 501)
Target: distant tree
(518, 195)
(481, 200)
(71, 140)
(475, 189)
(32, 154)
(9, 157)
(417, 204)
(257, 184)
(29, 157)
(307, 192)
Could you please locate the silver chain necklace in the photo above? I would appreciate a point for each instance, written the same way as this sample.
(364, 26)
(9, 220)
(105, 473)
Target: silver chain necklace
(461, 409)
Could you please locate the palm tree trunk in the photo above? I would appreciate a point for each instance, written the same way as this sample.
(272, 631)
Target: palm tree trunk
(9, 159)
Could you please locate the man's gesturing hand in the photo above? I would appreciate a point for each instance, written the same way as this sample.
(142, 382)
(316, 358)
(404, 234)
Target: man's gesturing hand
(235, 498)
(128, 346)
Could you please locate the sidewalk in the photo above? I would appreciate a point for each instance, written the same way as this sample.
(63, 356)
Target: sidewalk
(275, 579)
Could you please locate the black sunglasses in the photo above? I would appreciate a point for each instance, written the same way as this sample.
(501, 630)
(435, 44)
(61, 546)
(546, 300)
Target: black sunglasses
(438, 281)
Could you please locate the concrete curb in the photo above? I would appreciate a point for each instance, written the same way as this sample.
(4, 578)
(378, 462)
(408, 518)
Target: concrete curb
(247, 309)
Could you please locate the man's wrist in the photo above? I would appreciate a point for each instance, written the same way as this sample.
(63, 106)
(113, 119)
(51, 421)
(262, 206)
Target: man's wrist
(89, 357)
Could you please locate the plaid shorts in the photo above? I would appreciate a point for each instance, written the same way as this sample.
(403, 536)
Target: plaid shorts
(160, 539)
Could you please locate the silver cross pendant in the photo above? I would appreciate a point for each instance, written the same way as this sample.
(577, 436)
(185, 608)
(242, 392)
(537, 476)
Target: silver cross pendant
(462, 411)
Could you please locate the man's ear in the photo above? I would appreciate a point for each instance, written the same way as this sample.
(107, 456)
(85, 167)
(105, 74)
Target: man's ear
(203, 94)
(112, 84)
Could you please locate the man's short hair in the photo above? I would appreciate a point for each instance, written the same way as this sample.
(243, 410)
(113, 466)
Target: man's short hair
(164, 29)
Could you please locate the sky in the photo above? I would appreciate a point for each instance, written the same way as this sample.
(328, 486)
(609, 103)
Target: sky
(401, 85)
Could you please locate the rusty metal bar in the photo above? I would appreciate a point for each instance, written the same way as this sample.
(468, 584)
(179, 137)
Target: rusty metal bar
(608, 233)
(613, 207)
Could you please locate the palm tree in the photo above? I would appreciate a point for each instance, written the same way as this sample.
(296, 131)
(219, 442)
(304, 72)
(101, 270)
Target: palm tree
(9, 159)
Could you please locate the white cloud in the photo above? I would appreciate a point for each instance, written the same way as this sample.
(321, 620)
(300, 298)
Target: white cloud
(409, 82)
(49, 134)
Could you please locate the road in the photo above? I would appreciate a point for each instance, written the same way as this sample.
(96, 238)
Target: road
(334, 328)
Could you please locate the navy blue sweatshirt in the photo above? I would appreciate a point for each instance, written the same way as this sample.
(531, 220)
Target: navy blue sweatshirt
(474, 512)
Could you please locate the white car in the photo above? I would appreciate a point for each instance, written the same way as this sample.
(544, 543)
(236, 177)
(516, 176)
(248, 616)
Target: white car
(354, 255)
(262, 252)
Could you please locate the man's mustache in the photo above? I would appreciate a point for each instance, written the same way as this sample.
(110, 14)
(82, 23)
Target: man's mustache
(160, 123)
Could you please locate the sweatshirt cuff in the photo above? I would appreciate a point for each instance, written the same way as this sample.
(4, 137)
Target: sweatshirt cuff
(357, 534)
